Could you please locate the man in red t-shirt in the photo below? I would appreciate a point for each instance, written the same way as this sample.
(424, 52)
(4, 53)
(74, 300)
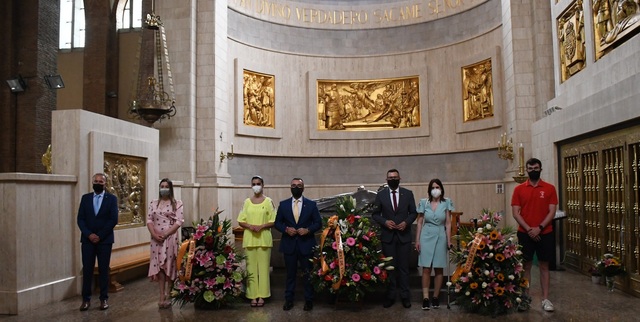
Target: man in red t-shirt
(534, 204)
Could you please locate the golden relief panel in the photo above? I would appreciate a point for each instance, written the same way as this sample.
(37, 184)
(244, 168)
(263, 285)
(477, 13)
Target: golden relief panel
(571, 41)
(614, 21)
(126, 177)
(477, 91)
(368, 105)
(258, 97)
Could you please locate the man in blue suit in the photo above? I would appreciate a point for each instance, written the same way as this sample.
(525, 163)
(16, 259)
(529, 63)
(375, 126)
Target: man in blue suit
(97, 216)
(297, 219)
(395, 210)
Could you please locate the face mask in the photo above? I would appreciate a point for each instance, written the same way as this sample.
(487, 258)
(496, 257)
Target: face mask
(98, 188)
(534, 175)
(165, 192)
(297, 192)
(393, 184)
(436, 193)
(256, 189)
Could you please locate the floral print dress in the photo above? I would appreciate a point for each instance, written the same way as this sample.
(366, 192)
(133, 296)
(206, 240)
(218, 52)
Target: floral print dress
(163, 254)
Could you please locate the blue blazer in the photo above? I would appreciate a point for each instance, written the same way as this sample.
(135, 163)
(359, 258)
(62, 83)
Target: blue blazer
(101, 224)
(309, 219)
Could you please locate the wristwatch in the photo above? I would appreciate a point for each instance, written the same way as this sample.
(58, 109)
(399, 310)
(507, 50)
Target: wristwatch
(541, 227)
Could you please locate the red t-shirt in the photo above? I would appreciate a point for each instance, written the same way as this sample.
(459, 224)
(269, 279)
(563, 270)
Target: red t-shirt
(534, 203)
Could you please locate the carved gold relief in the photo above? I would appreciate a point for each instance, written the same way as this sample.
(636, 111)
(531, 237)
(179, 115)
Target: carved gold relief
(477, 91)
(46, 159)
(613, 21)
(258, 96)
(126, 177)
(571, 41)
(368, 104)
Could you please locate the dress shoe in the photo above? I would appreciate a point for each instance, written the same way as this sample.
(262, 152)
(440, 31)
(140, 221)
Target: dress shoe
(406, 303)
(85, 305)
(288, 305)
(388, 303)
(308, 306)
(104, 305)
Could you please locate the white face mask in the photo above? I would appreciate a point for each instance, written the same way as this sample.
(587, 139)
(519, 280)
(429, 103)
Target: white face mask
(436, 193)
(256, 189)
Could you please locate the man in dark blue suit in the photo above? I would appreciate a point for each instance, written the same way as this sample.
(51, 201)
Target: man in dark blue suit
(395, 211)
(97, 216)
(297, 219)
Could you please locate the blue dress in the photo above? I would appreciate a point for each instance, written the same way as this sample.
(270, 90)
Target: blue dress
(433, 237)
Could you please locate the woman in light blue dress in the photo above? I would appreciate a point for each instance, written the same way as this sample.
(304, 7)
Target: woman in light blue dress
(433, 238)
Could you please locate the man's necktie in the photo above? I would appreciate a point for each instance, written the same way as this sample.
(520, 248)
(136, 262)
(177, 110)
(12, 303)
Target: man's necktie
(296, 212)
(395, 202)
(96, 204)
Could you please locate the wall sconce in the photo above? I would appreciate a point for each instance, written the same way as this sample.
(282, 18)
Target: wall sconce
(228, 156)
(17, 84)
(54, 81)
(520, 178)
(505, 148)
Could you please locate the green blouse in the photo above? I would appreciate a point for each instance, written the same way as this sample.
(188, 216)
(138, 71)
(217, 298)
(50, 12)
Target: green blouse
(257, 214)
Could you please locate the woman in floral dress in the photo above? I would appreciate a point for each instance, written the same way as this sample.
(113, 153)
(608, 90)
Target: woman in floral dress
(164, 218)
(257, 217)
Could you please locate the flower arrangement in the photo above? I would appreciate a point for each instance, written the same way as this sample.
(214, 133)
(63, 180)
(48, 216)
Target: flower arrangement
(348, 261)
(610, 265)
(489, 277)
(209, 270)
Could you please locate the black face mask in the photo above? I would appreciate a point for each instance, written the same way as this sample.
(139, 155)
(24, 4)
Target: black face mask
(393, 184)
(297, 192)
(534, 175)
(98, 188)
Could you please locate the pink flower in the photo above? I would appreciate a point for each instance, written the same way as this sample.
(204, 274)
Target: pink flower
(351, 241)
(355, 277)
(376, 270)
(334, 245)
(332, 265)
(365, 237)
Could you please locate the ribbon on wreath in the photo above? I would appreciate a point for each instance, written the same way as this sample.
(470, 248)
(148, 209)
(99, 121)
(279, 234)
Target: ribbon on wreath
(333, 224)
(191, 246)
(473, 248)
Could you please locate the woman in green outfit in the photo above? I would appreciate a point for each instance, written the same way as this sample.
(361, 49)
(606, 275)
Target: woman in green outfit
(257, 217)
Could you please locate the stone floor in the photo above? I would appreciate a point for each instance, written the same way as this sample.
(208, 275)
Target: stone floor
(575, 298)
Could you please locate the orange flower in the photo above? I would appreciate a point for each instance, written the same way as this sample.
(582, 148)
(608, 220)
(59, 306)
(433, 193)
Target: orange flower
(478, 271)
(481, 245)
(500, 277)
(499, 291)
(499, 257)
(473, 285)
(524, 283)
(220, 229)
(463, 244)
(494, 235)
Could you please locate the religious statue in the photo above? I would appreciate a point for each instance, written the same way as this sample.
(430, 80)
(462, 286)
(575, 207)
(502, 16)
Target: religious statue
(571, 41)
(627, 15)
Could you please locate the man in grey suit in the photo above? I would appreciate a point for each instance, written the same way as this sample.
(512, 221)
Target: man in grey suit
(395, 211)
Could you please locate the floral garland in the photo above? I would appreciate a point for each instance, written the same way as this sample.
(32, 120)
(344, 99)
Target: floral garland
(610, 265)
(348, 261)
(489, 278)
(209, 270)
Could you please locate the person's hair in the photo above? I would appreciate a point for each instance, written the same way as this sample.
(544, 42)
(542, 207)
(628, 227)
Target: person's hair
(104, 176)
(393, 170)
(299, 179)
(259, 178)
(534, 161)
(438, 182)
(171, 197)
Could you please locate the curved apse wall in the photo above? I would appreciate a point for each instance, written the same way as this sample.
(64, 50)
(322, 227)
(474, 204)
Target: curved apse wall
(434, 50)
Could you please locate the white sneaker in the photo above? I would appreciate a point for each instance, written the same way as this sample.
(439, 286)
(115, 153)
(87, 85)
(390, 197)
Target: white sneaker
(547, 305)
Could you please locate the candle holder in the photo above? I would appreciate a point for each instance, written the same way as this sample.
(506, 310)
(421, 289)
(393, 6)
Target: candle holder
(505, 148)
(521, 177)
(228, 156)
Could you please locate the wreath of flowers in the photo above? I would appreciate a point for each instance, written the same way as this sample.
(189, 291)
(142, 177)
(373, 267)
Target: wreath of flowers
(348, 262)
(210, 274)
(489, 278)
